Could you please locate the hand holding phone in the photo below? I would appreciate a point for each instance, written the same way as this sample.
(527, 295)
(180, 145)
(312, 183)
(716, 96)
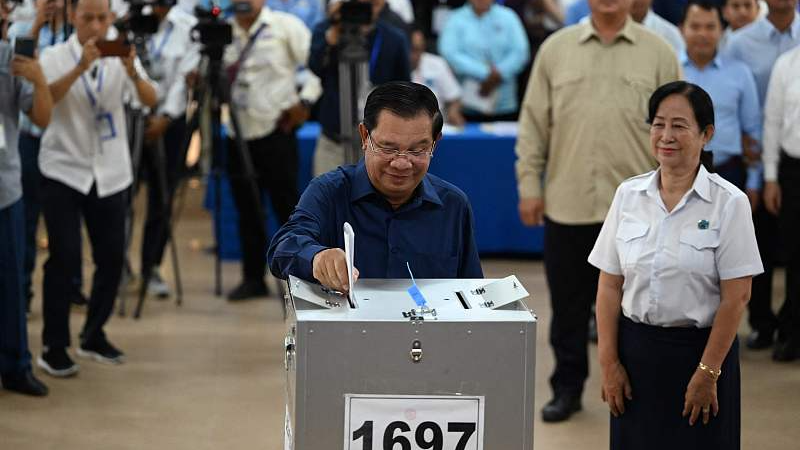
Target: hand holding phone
(25, 46)
(118, 48)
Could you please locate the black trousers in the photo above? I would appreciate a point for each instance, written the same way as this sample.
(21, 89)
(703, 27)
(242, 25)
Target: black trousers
(158, 216)
(789, 224)
(63, 209)
(573, 288)
(275, 162)
(761, 317)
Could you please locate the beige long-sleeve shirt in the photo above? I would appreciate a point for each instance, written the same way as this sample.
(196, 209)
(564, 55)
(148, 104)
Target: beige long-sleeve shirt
(582, 127)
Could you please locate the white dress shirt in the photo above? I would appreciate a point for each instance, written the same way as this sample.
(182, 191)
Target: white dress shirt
(434, 72)
(172, 56)
(86, 142)
(673, 262)
(782, 113)
(265, 85)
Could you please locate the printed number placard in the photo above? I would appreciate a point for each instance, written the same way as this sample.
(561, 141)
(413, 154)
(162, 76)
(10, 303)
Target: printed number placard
(411, 422)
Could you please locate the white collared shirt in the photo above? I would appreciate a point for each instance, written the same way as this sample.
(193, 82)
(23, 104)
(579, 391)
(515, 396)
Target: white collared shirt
(172, 56)
(73, 150)
(265, 85)
(673, 262)
(782, 113)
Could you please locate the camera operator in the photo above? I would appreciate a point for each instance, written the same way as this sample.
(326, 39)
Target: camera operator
(388, 61)
(268, 47)
(23, 87)
(48, 28)
(86, 169)
(172, 55)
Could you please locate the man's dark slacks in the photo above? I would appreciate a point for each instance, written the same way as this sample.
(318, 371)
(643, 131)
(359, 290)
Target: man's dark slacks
(275, 162)
(63, 208)
(573, 288)
(789, 223)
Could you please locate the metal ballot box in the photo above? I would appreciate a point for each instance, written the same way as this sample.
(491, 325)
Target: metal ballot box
(379, 373)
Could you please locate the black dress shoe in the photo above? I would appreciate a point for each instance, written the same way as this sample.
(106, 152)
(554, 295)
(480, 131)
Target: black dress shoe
(759, 340)
(561, 407)
(25, 383)
(786, 351)
(247, 290)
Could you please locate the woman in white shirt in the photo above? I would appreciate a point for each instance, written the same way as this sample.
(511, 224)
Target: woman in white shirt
(677, 253)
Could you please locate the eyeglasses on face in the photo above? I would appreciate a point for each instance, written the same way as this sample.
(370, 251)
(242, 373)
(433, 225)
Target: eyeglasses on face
(420, 154)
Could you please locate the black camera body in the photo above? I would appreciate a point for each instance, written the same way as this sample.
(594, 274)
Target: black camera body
(355, 13)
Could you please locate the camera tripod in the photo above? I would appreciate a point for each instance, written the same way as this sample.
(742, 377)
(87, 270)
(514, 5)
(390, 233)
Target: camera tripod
(157, 154)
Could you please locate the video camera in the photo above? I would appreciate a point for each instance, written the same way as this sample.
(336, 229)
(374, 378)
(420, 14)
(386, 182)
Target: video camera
(355, 13)
(141, 22)
(212, 31)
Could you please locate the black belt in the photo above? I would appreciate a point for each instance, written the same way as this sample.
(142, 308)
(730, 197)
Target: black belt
(733, 163)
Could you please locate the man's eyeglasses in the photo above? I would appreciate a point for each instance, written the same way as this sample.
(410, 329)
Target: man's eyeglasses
(420, 155)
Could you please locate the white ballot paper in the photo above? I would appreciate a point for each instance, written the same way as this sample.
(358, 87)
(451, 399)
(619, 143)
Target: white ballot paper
(472, 99)
(349, 254)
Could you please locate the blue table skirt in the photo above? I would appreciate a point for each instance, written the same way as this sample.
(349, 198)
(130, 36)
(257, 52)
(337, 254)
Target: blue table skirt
(479, 163)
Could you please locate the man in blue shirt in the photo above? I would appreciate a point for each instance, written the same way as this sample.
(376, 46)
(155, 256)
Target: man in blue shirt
(733, 90)
(486, 45)
(759, 45)
(400, 213)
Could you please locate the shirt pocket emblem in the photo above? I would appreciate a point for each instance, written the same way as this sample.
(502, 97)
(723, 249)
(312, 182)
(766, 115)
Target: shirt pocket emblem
(698, 249)
(630, 241)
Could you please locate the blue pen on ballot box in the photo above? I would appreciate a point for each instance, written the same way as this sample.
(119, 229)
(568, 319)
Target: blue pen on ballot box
(414, 291)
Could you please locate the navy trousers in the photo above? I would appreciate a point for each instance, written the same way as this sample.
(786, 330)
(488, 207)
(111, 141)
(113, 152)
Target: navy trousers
(14, 354)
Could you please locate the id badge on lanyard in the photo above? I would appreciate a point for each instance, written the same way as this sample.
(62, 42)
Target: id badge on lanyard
(104, 120)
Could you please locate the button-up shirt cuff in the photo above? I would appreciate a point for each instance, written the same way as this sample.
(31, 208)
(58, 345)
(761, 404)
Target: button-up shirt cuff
(306, 255)
(771, 171)
(528, 187)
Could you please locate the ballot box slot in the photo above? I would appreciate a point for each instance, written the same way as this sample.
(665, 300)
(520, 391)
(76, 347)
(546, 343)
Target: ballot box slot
(463, 300)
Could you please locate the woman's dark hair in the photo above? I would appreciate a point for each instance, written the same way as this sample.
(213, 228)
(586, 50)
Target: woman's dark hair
(403, 99)
(701, 104)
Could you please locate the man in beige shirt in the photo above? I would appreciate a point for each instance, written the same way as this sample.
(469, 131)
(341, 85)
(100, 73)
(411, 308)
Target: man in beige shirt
(582, 131)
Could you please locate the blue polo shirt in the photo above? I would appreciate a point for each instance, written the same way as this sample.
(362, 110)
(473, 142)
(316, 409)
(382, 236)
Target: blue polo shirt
(433, 231)
(758, 45)
(736, 108)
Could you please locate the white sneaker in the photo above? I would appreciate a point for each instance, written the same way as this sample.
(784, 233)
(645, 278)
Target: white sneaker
(156, 286)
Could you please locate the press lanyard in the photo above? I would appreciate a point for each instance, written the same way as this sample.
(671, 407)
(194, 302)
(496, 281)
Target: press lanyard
(86, 86)
(155, 53)
(376, 47)
(233, 70)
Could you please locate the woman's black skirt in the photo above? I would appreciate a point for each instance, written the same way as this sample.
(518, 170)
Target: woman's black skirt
(660, 362)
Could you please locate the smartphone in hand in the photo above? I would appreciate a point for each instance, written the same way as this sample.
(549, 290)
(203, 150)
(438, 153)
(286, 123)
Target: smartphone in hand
(25, 46)
(113, 48)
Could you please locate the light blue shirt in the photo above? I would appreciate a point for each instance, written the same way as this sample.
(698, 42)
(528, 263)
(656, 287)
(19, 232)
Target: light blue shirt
(472, 44)
(736, 108)
(22, 29)
(576, 12)
(309, 11)
(758, 45)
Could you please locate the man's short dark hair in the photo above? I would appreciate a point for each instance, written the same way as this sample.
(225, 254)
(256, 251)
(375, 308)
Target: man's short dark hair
(708, 5)
(403, 99)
